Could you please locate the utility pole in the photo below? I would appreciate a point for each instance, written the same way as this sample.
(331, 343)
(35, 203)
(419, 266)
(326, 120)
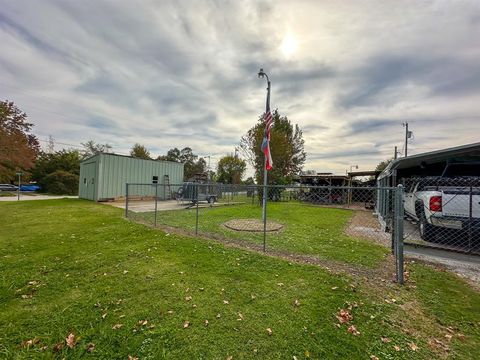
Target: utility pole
(408, 135)
(395, 154)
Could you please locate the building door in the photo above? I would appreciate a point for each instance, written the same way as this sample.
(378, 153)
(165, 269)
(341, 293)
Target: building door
(89, 180)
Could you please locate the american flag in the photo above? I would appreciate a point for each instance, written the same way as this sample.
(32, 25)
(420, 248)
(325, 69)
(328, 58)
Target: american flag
(266, 139)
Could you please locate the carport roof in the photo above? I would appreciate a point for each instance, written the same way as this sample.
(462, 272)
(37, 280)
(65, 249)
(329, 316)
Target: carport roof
(431, 157)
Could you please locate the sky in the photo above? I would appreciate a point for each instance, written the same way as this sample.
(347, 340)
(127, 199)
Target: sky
(184, 73)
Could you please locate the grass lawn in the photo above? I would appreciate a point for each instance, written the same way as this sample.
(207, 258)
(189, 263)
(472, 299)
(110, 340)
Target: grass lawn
(308, 229)
(74, 267)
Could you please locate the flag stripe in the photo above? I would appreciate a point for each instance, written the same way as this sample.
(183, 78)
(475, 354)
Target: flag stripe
(268, 118)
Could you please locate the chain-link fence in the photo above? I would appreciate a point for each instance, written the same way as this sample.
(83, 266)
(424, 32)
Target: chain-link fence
(443, 212)
(348, 223)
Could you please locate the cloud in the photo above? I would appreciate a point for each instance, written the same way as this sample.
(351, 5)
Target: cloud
(182, 73)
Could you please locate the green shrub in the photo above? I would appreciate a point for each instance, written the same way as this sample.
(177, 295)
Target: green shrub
(61, 182)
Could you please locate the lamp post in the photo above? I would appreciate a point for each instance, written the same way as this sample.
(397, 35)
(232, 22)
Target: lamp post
(262, 74)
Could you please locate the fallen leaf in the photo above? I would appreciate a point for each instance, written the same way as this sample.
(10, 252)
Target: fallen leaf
(125, 272)
(58, 347)
(206, 322)
(117, 326)
(240, 317)
(186, 324)
(396, 347)
(225, 302)
(461, 337)
(253, 297)
(373, 357)
(448, 337)
(188, 298)
(142, 322)
(132, 358)
(218, 316)
(269, 332)
(353, 330)
(280, 284)
(104, 315)
(386, 340)
(229, 357)
(296, 302)
(335, 288)
(70, 340)
(90, 347)
(344, 316)
(170, 312)
(413, 346)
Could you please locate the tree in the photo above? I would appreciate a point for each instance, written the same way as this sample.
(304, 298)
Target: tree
(56, 172)
(91, 148)
(230, 169)
(383, 164)
(18, 147)
(140, 151)
(286, 146)
(172, 155)
(193, 164)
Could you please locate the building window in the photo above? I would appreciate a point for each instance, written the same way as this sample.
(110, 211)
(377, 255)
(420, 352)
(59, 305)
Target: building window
(155, 180)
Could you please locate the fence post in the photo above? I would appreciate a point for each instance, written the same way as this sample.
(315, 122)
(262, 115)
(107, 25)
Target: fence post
(156, 200)
(399, 219)
(196, 216)
(126, 200)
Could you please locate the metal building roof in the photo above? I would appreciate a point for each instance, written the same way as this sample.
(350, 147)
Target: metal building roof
(431, 157)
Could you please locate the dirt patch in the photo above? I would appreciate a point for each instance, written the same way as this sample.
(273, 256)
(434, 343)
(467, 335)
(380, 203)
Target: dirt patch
(364, 224)
(252, 225)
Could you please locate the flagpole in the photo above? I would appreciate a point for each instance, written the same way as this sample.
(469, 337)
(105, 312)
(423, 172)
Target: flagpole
(265, 172)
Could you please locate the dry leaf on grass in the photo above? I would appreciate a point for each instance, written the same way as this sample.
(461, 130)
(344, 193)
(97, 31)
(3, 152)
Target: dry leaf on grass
(90, 347)
(58, 347)
(353, 330)
(269, 332)
(396, 347)
(218, 316)
(225, 302)
(142, 322)
(386, 340)
(229, 358)
(132, 358)
(206, 322)
(186, 324)
(344, 316)
(104, 315)
(296, 302)
(373, 357)
(448, 337)
(240, 317)
(117, 326)
(413, 346)
(28, 343)
(70, 340)
(188, 298)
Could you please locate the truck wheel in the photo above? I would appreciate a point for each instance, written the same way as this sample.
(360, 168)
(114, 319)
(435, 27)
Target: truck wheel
(428, 232)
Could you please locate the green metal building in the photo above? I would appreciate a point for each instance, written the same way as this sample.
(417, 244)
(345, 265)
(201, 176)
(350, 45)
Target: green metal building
(104, 176)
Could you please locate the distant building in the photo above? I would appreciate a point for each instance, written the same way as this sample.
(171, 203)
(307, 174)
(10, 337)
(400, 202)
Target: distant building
(104, 176)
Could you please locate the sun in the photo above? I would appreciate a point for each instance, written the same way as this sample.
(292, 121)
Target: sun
(289, 45)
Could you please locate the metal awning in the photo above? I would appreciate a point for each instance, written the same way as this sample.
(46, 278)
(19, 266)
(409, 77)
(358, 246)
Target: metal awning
(431, 157)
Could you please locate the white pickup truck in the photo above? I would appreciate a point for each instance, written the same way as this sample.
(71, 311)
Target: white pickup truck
(440, 204)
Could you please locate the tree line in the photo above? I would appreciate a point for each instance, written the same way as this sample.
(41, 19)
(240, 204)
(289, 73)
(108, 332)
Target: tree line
(58, 171)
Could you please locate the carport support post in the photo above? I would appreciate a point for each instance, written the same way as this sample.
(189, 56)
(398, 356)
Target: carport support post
(399, 215)
(156, 200)
(126, 200)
